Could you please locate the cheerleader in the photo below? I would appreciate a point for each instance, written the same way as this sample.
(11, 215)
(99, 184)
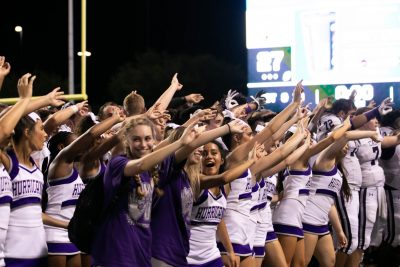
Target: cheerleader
(208, 209)
(64, 188)
(325, 186)
(27, 182)
(7, 123)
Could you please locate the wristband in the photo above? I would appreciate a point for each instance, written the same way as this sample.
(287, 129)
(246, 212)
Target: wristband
(374, 113)
(74, 108)
(229, 128)
(248, 109)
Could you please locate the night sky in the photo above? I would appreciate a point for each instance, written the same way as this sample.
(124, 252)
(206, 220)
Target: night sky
(116, 30)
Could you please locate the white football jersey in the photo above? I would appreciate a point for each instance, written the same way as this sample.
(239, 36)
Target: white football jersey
(390, 162)
(368, 154)
(326, 124)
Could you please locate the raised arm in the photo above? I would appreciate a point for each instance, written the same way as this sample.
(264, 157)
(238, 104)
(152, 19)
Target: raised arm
(106, 145)
(208, 181)
(322, 106)
(147, 162)
(280, 118)
(14, 114)
(384, 108)
(206, 137)
(289, 160)
(281, 153)
(4, 70)
(83, 142)
(300, 113)
(166, 97)
(54, 98)
(389, 141)
(241, 151)
(63, 115)
(324, 143)
(327, 157)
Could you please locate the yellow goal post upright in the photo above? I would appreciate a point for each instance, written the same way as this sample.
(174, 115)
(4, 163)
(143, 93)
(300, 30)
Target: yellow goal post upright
(83, 95)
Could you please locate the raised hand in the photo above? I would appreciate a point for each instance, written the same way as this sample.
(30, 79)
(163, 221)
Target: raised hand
(259, 99)
(371, 104)
(189, 135)
(297, 92)
(117, 116)
(194, 98)
(56, 97)
(301, 113)
(5, 67)
(229, 101)
(386, 106)
(347, 123)
(377, 137)
(236, 126)
(154, 113)
(205, 114)
(353, 95)
(257, 152)
(85, 106)
(175, 82)
(303, 125)
(25, 85)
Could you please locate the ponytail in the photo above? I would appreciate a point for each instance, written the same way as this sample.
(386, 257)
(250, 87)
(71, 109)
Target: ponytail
(345, 185)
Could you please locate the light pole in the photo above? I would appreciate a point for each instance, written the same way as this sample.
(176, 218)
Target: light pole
(18, 29)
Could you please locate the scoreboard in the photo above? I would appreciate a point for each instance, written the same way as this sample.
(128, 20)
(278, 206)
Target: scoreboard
(334, 46)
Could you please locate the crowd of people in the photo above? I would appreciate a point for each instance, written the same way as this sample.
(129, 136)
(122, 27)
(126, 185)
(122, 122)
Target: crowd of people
(234, 184)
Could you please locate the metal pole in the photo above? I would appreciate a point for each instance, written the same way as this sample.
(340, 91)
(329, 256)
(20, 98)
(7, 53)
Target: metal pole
(83, 48)
(71, 66)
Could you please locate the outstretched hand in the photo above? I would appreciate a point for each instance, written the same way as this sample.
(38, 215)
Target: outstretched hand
(297, 92)
(236, 126)
(175, 82)
(189, 135)
(56, 97)
(5, 67)
(25, 85)
(386, 106)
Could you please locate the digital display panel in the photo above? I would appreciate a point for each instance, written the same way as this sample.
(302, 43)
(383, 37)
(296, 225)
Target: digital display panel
(334, 46)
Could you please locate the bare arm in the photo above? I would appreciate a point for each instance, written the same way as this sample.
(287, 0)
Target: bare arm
(382, 109)
(324, 143)
(101, 149)
(293, 157)
(61, 116)
(145, 163)
(206, 137)
(48, 220)
(326, 159)
(318, 111)
(83, 142)
(54, 98)
(4, 70)
(223, 236)
(279, 154)
(334, 219)
(14, 114)
(208, 181)
(166, 97)
(241, 151)
(389, 141)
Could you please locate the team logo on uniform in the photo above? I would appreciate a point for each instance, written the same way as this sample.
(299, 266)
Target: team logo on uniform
(139, 209)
